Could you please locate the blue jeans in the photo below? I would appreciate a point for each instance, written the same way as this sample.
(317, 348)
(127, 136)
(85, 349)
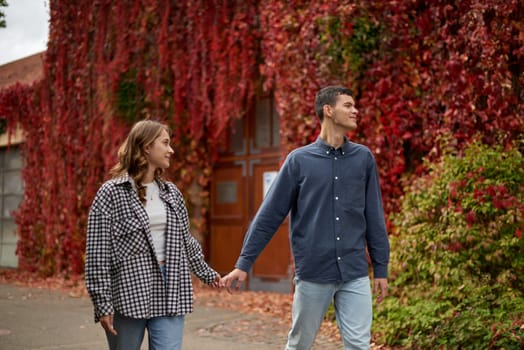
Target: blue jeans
(353, 309)
(164, 333)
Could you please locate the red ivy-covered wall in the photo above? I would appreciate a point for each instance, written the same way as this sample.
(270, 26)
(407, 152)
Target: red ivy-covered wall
(421, 72)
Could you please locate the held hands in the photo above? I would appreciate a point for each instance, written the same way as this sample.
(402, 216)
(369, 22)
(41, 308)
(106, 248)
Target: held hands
(228, 281)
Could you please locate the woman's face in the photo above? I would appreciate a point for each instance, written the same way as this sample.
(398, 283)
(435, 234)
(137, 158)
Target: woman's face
(158, 154)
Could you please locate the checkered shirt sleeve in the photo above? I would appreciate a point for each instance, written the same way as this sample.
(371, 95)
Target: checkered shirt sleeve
(98, 257)
(193, 249)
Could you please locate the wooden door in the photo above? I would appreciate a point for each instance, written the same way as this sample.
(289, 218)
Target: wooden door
(273, 263)
(228, 215)
(240, 178)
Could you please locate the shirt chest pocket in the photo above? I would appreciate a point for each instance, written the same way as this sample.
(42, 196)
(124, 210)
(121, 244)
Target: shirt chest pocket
(129, 238)
(353, 193)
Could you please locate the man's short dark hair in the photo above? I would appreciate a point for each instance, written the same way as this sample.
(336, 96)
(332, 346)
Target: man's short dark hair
(328, 96)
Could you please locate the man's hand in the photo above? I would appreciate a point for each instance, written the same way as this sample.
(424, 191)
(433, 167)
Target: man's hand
(107, 323)
(236, 275)
(382, 284)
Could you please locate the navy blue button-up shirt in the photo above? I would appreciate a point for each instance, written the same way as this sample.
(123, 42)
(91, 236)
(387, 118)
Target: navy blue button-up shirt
(334, 198)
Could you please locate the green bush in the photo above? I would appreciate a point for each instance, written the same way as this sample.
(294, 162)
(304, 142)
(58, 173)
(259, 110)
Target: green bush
(457, 258)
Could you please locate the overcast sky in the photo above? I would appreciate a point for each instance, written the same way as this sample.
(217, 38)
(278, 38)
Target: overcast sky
(27, 29)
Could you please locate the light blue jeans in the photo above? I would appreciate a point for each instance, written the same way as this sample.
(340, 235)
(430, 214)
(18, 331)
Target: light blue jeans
(353, 309)
(164, 333)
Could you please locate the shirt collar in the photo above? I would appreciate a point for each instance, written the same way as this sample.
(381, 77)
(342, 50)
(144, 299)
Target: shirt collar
(328, 148)
(123, 179)
(126, 179)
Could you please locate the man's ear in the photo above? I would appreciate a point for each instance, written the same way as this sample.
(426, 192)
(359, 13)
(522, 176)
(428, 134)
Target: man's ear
(328, 110)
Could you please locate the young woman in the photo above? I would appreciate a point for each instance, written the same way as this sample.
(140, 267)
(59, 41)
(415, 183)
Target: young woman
(140, 252)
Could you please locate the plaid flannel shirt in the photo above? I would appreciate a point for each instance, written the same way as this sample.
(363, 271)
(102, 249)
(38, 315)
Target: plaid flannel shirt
(122, 272)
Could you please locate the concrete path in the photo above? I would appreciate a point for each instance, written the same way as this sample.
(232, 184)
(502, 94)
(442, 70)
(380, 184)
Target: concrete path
(42, 319)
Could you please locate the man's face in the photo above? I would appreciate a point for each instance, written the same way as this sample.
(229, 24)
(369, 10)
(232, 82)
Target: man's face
(344, 114)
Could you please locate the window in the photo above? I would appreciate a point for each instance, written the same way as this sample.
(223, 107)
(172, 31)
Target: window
(258, 131)
(267, 124)
(11, 194)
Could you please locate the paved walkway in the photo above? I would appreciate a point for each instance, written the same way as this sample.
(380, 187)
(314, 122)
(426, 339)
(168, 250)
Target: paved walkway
(42, 319)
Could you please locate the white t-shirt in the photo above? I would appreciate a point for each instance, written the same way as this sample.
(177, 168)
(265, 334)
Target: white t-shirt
(156, 210)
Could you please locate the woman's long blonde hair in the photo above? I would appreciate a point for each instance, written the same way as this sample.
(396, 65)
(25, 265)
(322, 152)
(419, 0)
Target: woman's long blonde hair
(131, 155)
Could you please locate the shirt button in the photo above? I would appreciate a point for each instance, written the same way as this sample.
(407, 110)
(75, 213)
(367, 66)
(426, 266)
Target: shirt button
(337, 218)
(336, 158)
(336, 198)
(327, 152)
(336, 177)
(338, 258)
(338, 238)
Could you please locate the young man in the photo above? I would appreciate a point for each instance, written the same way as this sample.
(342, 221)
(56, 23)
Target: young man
(331, 188)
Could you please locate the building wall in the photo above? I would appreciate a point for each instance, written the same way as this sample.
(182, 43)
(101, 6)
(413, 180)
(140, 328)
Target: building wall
(23, 71)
